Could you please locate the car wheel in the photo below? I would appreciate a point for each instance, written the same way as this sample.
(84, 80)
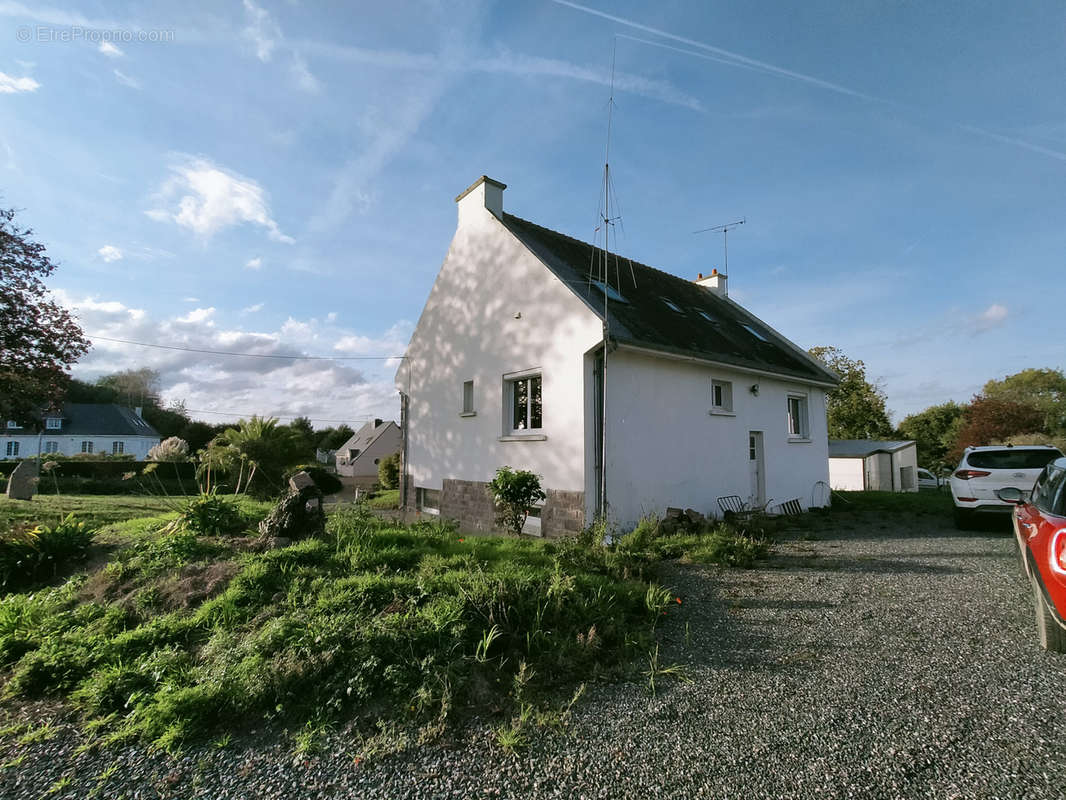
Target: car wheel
(963, 518)
(1048, 632)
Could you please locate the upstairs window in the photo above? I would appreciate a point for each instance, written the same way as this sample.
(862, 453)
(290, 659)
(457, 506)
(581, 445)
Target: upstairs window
(524, 401)
(610, 291)
(721, 396)
(798, 425)
(53, 423)
(754, 332)
(12, 425)
(468, 397)
(672, 305)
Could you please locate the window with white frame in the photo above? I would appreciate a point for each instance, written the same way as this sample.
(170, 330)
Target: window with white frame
(798, 425)
(525, 411)
(468, 397)
(86, 447)
(721, 396)
(53, 423)
(13, 425)
(51, 447)
(12, 448)
(118, 448)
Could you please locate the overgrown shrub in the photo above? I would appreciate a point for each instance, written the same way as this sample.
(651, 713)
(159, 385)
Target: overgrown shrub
(28, 556)
(210, 515)
(389, 471)
(516, 491)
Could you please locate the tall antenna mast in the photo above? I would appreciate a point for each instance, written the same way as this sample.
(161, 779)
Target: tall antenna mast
(607, 222)
(725, 229)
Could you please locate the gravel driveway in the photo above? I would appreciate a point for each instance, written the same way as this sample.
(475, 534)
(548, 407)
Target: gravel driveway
(881, 659)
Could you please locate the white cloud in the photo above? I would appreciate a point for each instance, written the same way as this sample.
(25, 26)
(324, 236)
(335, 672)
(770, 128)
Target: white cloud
(213, 198)
(302, 75)
(320, 389)
(9, 84)
(110, 50)
(110, 253)
(262, 31)
(190, 299)
(126, 80)
(254, 263)
(992, 317)
(252, 309)
(198, 315)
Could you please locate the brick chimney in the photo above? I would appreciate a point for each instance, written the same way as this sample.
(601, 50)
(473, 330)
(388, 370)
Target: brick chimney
(377, 423)
(717, 282)
(484, 194)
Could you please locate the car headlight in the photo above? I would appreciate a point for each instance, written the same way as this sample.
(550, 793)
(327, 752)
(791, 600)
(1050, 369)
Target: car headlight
(1057, 552)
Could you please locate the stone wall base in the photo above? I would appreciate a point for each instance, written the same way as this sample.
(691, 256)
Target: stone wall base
(470, 504)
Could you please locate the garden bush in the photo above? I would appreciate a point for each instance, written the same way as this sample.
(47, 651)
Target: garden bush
(210, 514)
(31, 555)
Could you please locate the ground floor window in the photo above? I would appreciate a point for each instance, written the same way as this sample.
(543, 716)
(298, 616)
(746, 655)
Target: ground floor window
(86, 447)
(427, 500)
(12, 448)
(118, 447)
(524, 399)
(51, 447)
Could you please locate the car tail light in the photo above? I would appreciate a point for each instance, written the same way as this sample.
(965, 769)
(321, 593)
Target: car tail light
(966, 474)
(1057, 552)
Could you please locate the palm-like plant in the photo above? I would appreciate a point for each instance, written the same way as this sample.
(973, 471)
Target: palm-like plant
(258, 451)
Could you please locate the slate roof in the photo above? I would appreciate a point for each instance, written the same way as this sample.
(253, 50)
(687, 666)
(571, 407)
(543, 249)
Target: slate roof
(100, 419)
(645, 320)
(860, 448)
(364, 437)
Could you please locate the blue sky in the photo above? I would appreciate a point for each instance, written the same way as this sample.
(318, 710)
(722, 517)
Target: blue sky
(278, 178)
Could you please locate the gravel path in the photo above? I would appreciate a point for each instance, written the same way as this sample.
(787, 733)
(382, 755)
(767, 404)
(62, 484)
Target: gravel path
(897, 663)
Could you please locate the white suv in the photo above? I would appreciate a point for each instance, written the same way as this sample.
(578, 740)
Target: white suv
(982, 470)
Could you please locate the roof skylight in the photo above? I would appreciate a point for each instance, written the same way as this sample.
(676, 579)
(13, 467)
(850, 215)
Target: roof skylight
(610, 291)
(754, 332)
(709, 317)
(671, 305)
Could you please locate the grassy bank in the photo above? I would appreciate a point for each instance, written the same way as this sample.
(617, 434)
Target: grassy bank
(97, 509)
(180, 636)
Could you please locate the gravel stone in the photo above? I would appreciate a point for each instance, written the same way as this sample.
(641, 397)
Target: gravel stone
(890, 660)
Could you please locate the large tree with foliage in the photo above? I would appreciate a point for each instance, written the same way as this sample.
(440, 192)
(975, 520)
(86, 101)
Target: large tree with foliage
(934, 430)
(987, 420)
(39, 339)
(856, 408)
(1044, 389)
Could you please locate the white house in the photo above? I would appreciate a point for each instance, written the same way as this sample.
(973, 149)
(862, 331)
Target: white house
(861, 465)
(79, 428)
(360, 455)
(506, 366)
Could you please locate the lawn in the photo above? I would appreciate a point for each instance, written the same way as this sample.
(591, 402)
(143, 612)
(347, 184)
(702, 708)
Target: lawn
(98, 509)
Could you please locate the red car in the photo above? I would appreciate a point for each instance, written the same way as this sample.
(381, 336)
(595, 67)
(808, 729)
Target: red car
(1040, 527)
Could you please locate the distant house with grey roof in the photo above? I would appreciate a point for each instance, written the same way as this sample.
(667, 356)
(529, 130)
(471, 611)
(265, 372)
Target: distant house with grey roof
(359, 456)
(873, 465)
(627, 389)
(80, 428)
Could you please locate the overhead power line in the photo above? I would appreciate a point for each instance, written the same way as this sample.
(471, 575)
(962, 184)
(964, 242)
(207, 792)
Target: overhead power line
(245, 355)
(281, 416)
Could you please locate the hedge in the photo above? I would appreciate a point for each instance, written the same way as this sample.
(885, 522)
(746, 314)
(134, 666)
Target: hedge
(104, 470)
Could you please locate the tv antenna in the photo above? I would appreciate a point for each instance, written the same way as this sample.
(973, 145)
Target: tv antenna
(725, 229)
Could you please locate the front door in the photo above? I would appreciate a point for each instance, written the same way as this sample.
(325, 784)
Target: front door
(755, 468)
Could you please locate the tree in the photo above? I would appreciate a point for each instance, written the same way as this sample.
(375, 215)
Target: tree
(935, 431)
(39, 339)
(988, 419)
(255, 455)
(389, 471)
(134, 387)
(333, 438)
(1044, 389)
(515, 492)
(305, 435)
(856, 408)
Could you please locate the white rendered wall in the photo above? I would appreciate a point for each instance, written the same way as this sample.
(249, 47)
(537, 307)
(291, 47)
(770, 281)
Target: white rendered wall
(846, 474)
(907, 457)
(364, 465)
(137, 446)
(495, 309)
(666, 449)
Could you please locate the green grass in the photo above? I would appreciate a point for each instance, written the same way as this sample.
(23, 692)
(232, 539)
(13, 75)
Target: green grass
(926, 502)
(391, 625)
(97, 509)
(719, 543)
(386, 499)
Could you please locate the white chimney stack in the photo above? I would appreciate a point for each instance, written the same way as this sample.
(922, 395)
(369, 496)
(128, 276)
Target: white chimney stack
(717, 282)
(483, 194)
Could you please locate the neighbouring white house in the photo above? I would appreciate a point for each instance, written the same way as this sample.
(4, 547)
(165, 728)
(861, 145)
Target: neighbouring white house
(80, 428)
(359, 456)
(862, 465)
(697, 397)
